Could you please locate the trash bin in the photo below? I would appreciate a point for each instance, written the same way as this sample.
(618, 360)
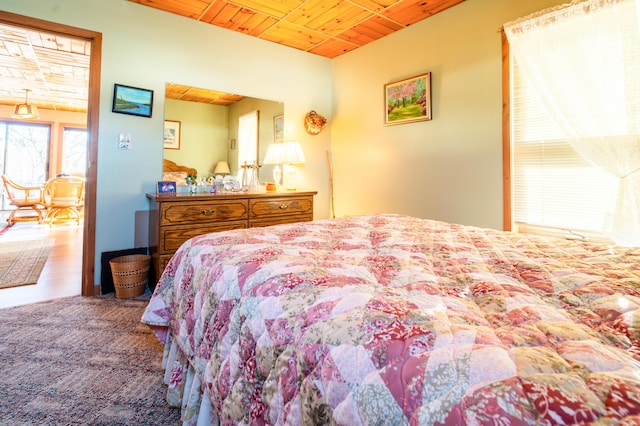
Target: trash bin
(130, 274)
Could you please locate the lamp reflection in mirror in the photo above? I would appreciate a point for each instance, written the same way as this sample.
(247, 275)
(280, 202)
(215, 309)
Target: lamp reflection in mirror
(222, 168)
(274, 156)
(26, 110)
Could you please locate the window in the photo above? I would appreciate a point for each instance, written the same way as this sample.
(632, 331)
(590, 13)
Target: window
(247, 142)
(554, 188)
(74, 151)
(573, 137)
(24, 153)
(24, 149)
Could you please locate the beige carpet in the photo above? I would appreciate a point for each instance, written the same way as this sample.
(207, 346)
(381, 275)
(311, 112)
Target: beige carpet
(22, 261)
(81, 361)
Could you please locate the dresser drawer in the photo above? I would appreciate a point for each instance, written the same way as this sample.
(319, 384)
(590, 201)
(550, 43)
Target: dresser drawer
(274, 207)
(172, 237)
(176, 219)
(200, 212)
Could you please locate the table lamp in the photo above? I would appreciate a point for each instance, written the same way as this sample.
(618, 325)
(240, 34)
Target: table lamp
(222, 168)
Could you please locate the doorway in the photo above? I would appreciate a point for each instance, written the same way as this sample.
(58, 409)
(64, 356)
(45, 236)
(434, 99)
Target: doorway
(95, 39)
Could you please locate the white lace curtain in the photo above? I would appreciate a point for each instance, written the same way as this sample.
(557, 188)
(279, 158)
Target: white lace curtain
(584, 61)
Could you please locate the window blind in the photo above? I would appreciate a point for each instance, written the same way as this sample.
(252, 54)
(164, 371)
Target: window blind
(554, 188)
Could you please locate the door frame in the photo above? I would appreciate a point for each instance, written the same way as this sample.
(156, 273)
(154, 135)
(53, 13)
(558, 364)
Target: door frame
(93, 114)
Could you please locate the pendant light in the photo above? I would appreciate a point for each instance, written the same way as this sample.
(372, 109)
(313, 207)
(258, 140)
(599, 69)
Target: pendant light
(26, 110)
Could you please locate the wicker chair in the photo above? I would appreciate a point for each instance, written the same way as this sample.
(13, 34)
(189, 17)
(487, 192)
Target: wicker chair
(24, 198)
(63, 197)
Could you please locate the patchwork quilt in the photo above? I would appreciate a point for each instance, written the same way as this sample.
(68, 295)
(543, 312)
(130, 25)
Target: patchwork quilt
(389, 319)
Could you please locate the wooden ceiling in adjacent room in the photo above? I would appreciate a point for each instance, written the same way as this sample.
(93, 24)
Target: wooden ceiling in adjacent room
(54, 68)
(327, 28)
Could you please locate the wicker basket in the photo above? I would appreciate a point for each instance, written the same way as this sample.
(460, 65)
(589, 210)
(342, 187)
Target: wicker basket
(130, 274)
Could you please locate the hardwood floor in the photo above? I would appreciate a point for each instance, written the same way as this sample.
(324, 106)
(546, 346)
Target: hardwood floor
(62, 274)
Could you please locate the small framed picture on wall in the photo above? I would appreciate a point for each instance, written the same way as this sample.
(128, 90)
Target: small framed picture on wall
(408, 100)
(171, 134)
(132, 100)
(278, 128)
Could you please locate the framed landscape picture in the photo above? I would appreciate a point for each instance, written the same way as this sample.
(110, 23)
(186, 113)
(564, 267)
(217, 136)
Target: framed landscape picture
(408, 100)
(171, 134)
(132, 100)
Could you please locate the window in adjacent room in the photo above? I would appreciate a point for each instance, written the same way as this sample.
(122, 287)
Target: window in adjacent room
(574, 136)
(24, 153)
(74, 151)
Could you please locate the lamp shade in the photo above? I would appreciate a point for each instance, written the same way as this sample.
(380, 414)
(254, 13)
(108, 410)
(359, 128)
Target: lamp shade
(221, 168)
(274, 154)
(26, 110)
(292, 153)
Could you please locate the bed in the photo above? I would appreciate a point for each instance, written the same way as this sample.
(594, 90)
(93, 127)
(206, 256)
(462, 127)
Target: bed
(173, 172)
(395, 320)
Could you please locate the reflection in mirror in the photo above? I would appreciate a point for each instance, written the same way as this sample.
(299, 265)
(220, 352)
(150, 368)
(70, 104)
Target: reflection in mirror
(209, 128)
(248, 148)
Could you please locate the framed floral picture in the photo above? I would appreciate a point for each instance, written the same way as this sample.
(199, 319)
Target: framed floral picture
(171, 134)
(408, 100)
(278, 128)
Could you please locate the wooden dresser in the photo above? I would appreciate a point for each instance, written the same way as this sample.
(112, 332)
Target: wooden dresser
(176, 218)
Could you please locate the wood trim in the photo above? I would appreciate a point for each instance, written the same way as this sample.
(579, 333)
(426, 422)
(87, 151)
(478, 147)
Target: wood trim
(171, 166)
(93, 118)
(93, 113)
(506, 136)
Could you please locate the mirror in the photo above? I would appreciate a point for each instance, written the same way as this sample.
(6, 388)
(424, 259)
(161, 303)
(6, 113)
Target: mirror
(207, 122)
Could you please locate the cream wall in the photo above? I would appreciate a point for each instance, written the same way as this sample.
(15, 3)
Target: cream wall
(449, 168)
(142, 47)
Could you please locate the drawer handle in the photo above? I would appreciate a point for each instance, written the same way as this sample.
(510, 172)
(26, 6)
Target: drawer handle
(284, 206)
(208, 212)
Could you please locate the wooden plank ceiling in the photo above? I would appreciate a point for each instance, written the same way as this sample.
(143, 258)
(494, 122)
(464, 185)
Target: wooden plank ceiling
(325, 27)
(194, 94)
(56, 69)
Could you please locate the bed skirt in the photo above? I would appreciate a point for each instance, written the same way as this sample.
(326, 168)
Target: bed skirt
(184, 387)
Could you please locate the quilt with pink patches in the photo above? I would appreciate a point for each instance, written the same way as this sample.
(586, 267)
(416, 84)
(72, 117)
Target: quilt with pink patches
(389, 319)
